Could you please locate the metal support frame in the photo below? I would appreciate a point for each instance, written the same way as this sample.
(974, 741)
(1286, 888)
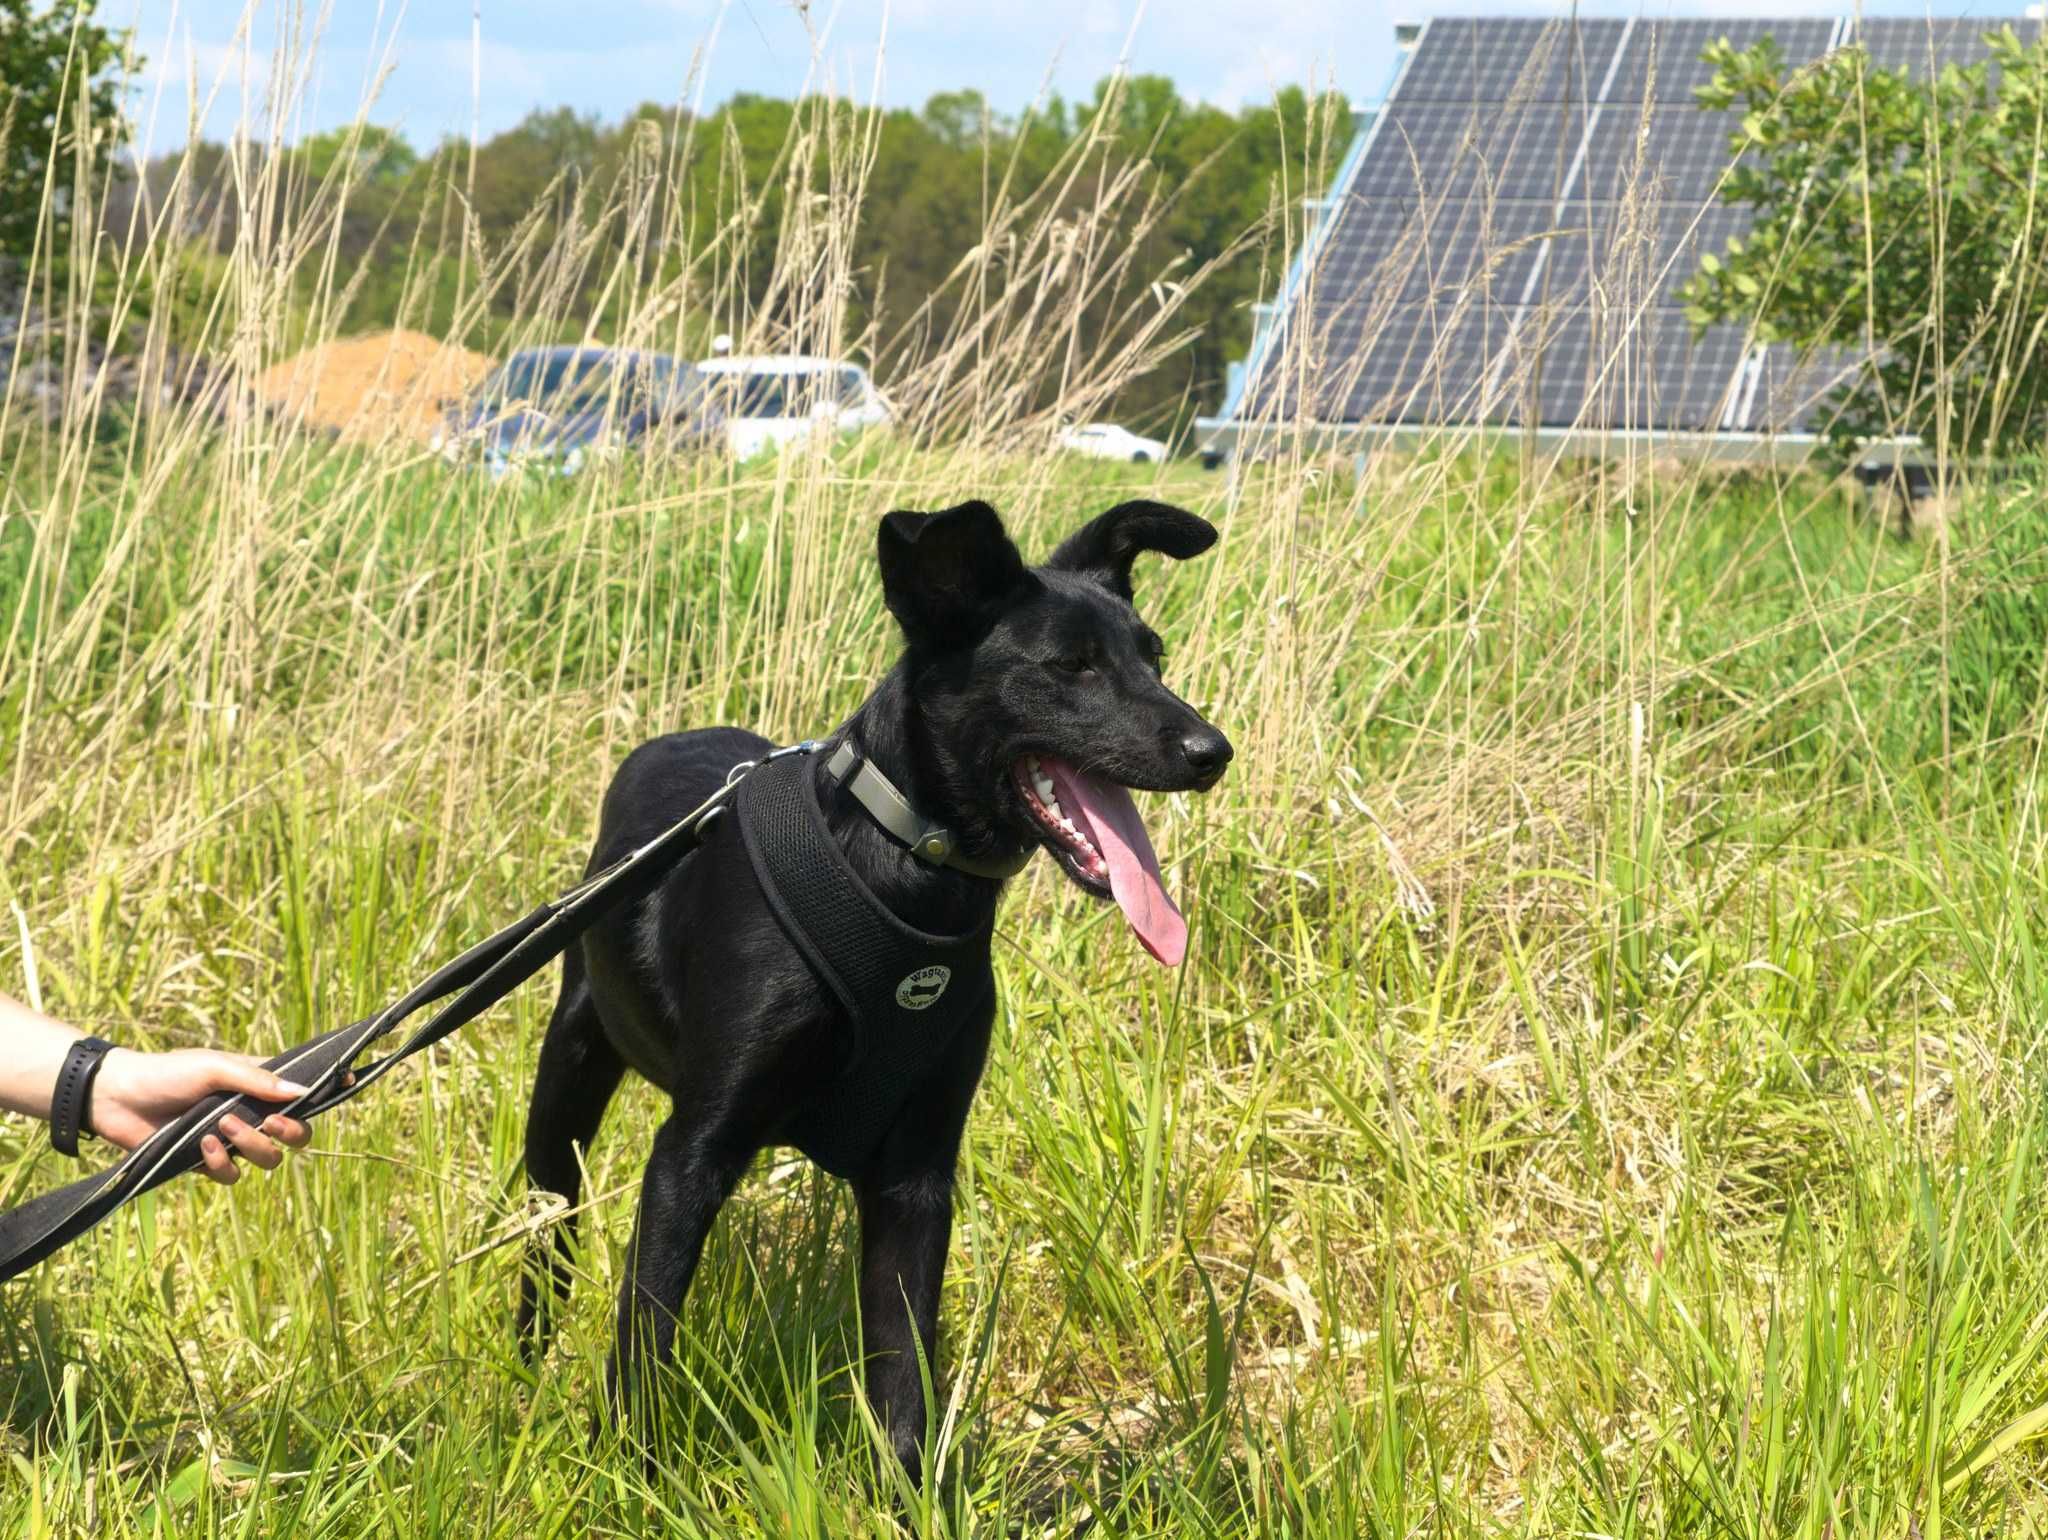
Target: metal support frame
(1238, 441)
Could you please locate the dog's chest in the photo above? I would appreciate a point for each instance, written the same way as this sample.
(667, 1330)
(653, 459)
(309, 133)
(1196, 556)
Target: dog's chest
(910, 998)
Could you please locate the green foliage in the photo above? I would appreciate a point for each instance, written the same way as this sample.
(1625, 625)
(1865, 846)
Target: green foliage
(1899, 214)
(58, 106)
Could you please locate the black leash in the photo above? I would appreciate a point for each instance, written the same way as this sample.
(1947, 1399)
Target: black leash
(477, 980)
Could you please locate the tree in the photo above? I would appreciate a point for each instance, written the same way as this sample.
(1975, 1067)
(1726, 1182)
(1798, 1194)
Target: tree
(1901, 220)
(59, 111)
(370, 157)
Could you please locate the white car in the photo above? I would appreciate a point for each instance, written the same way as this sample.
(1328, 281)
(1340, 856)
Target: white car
(785, 398)
(1106, 441)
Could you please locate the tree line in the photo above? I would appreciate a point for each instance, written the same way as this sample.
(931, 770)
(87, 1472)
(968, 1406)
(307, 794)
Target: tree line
(558, 206)
(558, 227)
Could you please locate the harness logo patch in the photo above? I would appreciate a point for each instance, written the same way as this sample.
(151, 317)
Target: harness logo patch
(923, 987)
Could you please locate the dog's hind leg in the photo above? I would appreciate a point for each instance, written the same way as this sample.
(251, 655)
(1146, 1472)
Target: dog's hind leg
(579, 1071)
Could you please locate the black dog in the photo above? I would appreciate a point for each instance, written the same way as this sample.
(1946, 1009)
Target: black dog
(1025, 700)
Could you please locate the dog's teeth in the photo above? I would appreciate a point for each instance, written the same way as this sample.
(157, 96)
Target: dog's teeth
(1042, 785)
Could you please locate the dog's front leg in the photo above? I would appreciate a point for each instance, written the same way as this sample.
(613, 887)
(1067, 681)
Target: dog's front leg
(906, 1224)
(688, 1178)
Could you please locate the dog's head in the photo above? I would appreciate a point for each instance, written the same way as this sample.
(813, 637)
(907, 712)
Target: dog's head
(1041, 688)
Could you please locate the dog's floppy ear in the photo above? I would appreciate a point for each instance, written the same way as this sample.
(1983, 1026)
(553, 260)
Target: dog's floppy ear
(946, 575)
(1105, 547)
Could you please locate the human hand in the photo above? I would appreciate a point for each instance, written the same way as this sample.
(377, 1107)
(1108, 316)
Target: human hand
(136, 1093)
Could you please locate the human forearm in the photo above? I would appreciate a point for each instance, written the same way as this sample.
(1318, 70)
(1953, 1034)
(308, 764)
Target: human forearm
(32, 1049)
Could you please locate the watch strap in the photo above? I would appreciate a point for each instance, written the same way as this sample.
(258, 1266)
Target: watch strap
(71, 1100)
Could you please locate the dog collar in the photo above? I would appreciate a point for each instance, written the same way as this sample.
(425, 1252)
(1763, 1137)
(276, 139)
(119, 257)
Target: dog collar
(930, 842)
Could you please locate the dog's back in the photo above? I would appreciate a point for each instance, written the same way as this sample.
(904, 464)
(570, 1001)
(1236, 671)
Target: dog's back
(678, 983)
(663, 779)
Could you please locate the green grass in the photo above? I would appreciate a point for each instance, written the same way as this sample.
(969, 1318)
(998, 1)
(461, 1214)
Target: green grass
(1602, 1097)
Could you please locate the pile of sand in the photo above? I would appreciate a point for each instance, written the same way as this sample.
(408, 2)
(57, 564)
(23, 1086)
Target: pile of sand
(370, 389)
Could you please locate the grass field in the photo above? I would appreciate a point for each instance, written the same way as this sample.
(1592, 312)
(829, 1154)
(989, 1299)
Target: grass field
(1601, 1098)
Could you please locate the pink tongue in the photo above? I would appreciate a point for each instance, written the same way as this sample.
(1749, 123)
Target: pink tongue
(1111, 821)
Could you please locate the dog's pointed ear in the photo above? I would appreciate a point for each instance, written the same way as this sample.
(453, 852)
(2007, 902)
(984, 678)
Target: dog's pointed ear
(1105, 547)
(946, 576)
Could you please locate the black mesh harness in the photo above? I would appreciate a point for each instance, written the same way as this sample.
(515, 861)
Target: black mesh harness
(907, 993)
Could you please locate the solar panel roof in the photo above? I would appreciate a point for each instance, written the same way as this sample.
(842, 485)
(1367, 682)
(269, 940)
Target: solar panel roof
(1509, 245)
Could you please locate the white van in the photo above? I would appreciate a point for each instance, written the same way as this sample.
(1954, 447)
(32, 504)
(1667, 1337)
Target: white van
(784, 398)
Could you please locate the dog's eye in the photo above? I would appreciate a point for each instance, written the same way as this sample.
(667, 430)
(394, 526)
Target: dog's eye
(1073, 665)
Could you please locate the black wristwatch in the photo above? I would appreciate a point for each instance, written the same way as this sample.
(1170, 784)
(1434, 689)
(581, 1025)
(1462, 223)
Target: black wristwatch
(73, 1096)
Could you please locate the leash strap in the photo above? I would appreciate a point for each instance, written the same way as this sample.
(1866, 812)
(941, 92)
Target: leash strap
(471, 985)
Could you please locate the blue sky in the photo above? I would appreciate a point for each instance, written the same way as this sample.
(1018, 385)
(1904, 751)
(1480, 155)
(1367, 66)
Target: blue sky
(605, 56)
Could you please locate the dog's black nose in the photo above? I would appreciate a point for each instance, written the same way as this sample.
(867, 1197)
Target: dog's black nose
(1207, 751)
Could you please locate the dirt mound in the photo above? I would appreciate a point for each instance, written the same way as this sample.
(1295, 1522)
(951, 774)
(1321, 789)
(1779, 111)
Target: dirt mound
(369, 389)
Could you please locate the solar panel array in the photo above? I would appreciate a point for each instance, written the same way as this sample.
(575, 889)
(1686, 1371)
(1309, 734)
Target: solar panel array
(1511, 245)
